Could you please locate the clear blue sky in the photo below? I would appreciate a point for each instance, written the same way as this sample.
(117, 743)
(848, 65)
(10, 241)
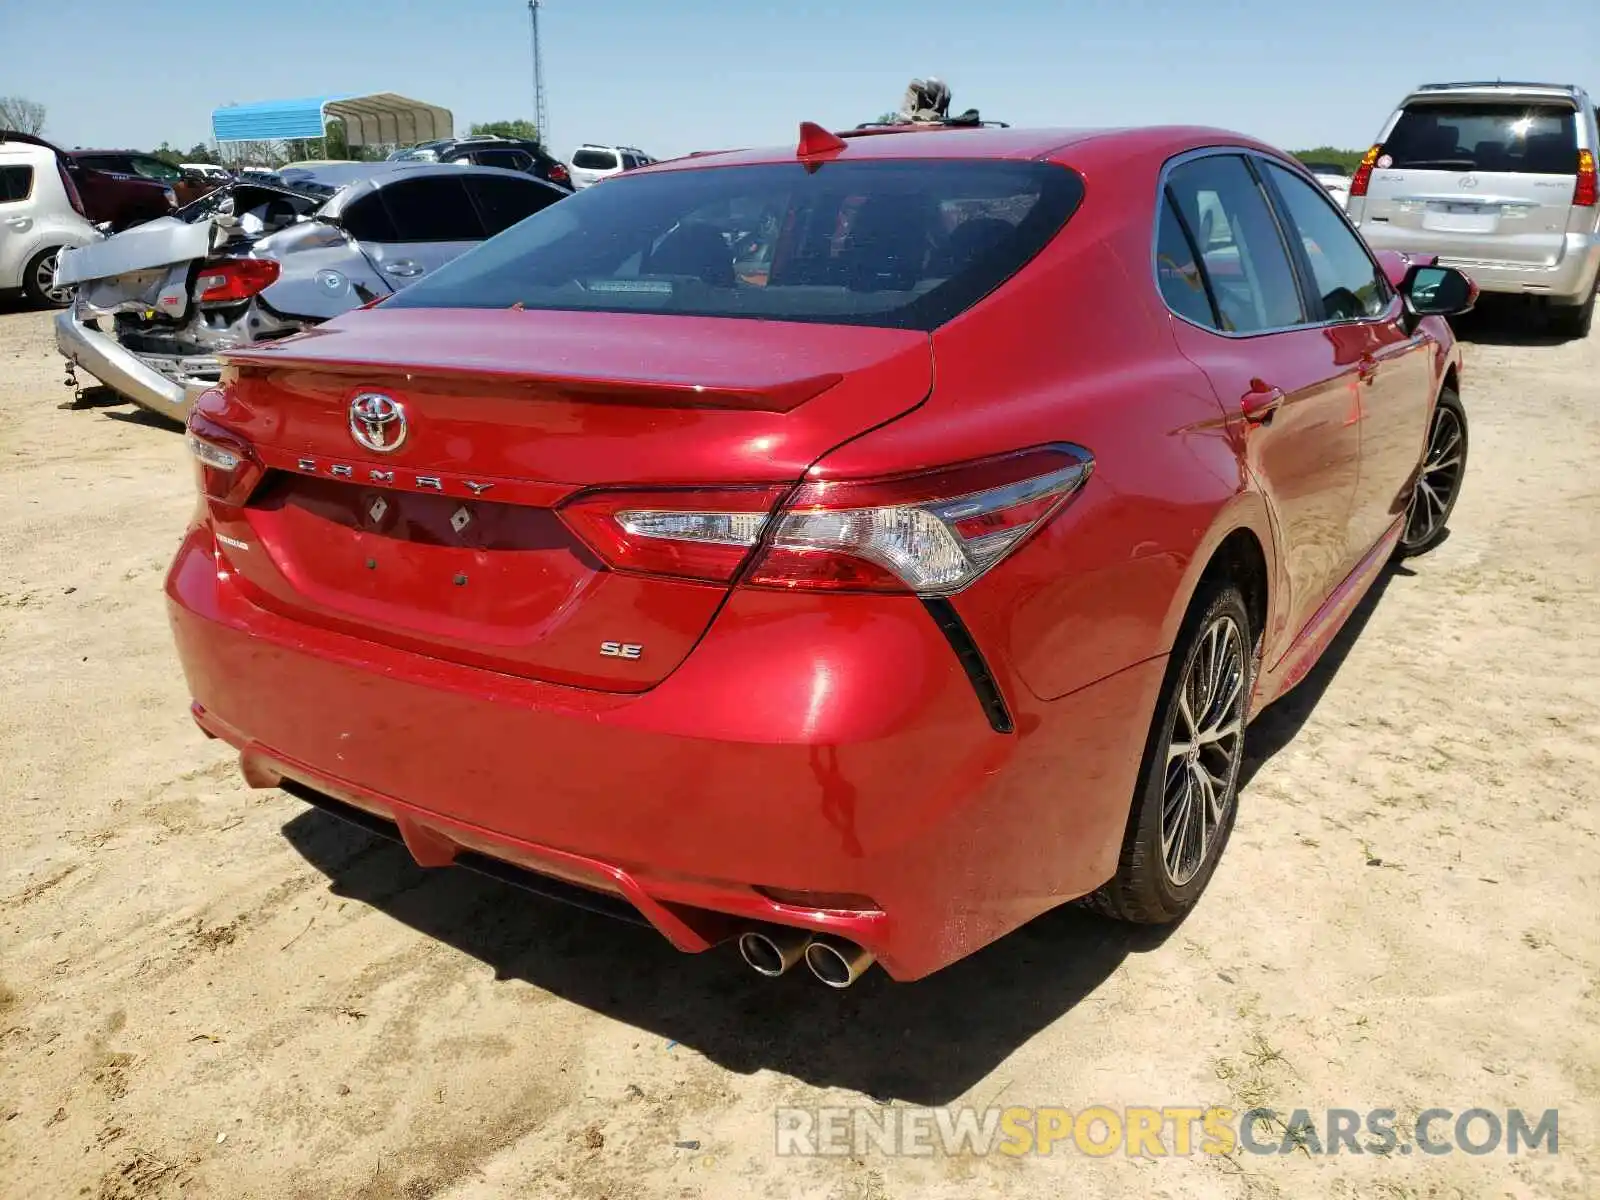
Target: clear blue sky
(672, 77)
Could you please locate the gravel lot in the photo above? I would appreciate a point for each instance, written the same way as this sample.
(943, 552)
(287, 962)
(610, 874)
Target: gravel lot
(212, 991)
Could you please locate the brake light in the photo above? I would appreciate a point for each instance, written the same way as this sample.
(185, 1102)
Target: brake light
(69, 185)
(703, 533)
(1363, 175)
(559, 173)
(931, 533)
(1587, 194)
(235, 279)
(227, 468)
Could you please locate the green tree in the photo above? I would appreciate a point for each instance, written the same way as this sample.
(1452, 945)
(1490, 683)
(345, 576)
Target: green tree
(201, 152)
(1348, 159)
(168, 154)
(525, 130)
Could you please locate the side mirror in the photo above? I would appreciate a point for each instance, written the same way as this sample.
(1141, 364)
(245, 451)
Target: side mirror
(1438, 292)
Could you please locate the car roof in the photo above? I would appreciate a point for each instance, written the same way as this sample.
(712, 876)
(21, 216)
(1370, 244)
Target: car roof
(382, 174)
(968, 142)
(1498, 88)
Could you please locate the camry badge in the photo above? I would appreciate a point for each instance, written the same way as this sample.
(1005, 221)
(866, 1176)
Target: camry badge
(377, 422)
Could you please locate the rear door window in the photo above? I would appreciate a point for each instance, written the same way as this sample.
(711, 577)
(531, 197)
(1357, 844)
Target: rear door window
(435, 208)
(901, 244)
(367, 220)
(1182, 285)
(1241, 250)
(502, 202)
(16, 183)
(1529, 139)
(595, 160)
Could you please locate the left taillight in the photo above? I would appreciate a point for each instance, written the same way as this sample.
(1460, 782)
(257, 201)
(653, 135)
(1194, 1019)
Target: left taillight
(228, 469)
(931, 533)
(559, 174)
(234, 279)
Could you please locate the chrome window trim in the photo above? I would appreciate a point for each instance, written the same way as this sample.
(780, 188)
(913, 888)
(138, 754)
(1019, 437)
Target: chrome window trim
(1391, 311)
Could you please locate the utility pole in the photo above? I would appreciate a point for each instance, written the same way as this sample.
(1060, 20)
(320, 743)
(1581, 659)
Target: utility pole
(541, 111)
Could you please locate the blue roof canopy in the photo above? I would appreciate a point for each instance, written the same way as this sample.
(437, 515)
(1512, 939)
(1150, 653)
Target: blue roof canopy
(378, 118)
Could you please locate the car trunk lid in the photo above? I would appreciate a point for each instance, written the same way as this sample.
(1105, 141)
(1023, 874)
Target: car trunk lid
(450, 543)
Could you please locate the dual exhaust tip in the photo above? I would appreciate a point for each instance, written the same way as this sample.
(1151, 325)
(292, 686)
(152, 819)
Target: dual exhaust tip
(771, 952)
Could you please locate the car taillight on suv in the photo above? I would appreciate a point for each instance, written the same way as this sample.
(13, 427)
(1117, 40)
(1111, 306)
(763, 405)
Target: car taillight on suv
(1363, 176)
(931, 533)
(560, 174)
(71, 188)
(1587, 193)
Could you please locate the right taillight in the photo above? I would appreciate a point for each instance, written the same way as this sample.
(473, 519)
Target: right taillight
(234, 279)
(1363, 175)
(228, 468)
(69, 185)
(1587, 194)
(931, 533)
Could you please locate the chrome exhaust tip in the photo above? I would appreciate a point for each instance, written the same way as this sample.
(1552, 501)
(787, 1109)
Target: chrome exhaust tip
(837, 963)
(772, 952)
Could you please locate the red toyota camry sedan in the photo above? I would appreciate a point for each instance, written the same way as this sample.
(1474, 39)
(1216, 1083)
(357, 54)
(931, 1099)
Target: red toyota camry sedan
(850, 550)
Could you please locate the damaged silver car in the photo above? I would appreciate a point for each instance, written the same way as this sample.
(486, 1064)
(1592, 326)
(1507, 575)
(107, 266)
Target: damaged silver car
(155, 305)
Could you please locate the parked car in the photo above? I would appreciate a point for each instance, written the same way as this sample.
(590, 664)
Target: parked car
(1498, 179)
(1334, 178)
(116, 201)
(41, 214)
(255, 261)
(131, 163)
(867, 610)
(513, 154)
(591, 164)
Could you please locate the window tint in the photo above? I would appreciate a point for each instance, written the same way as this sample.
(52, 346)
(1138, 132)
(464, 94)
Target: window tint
(503, 202)
(1346, 278)
(595, 160)
(1182, 285)
(367, 220)
(16, 183)
(1536, 139)
(431, 209)
(891, 243)
(154, 168)
(1243, 255)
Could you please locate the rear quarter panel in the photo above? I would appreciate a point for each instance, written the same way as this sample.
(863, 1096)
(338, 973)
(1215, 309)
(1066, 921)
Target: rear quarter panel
(1078, 348)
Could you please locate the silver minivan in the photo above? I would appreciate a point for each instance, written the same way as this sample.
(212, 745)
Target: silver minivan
(1497, 179)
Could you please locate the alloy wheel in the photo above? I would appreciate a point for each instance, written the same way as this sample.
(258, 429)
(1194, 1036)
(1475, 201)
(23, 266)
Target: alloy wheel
(44, 273)
(1438, 480)
(1204, 752)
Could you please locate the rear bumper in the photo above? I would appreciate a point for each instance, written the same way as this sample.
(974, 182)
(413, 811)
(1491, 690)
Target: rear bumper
(1570, 279)
(123, 371)
(843, 752)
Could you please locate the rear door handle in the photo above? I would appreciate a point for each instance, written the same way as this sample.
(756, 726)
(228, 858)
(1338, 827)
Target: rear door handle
(19, 223)
(1260, 402)
(405, 268)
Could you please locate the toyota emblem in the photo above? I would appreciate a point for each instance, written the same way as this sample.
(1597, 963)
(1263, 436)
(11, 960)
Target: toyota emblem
(377, 422)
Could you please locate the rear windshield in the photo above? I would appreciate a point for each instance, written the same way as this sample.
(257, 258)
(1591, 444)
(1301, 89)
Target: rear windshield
(595, 160)
(1528, 139)
(897, 244)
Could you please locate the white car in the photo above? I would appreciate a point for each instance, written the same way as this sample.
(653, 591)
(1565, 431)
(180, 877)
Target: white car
(1334, 179)
(41, 214)
(591, 163)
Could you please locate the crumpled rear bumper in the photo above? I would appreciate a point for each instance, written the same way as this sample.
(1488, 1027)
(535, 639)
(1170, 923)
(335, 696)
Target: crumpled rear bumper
(122, 371)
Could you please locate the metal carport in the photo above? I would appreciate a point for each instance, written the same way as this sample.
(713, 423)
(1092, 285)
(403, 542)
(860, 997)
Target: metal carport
(374, 119)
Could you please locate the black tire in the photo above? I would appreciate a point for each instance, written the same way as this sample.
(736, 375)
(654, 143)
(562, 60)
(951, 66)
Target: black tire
(1417, 538)
(34, 289)
(1146, 889)
(1574, 322)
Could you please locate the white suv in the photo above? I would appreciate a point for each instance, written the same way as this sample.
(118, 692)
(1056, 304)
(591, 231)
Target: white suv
(591, 164)
(40, 215)
(1498, 179)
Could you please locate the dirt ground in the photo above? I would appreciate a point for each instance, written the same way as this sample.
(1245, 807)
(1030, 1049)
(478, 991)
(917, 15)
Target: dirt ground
(212, 991)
